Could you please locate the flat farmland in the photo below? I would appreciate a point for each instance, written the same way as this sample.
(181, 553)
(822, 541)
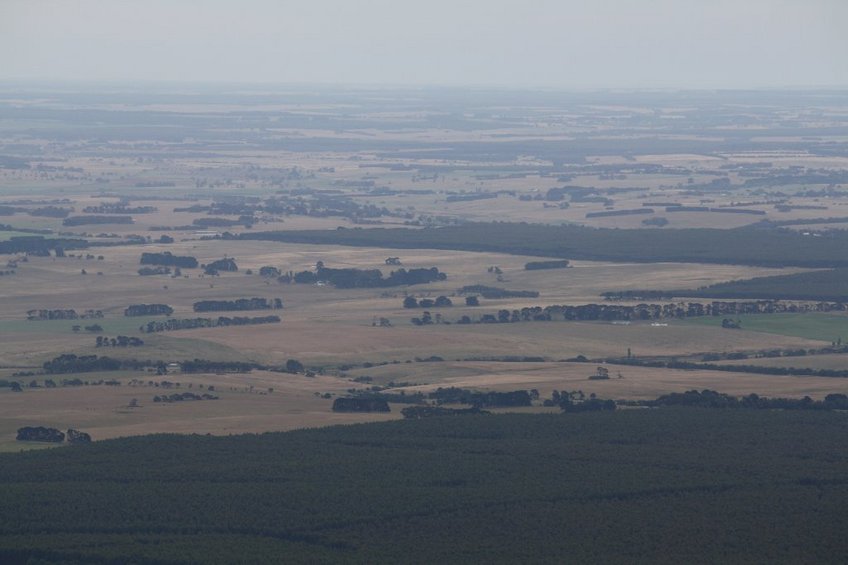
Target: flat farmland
(643, 383)
(816, 326)
(324, 324)
(300, 160)
(244, 405)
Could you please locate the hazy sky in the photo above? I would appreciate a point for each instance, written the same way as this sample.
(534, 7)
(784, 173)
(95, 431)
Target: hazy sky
(564, 43)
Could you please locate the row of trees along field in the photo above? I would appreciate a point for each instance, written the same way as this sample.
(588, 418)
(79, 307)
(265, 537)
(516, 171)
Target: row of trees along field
(621, 312)
(363, 278)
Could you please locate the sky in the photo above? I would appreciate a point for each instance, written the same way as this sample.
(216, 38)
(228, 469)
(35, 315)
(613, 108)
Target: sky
(503, 43)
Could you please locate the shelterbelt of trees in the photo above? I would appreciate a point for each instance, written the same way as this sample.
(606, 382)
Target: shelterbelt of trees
(765, 246)
(676, 485)
(363, 278)
(619, 312)
(38, 245)
(194, 323)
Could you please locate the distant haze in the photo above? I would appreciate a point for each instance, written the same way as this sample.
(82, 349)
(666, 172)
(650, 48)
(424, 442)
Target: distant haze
(512, 43)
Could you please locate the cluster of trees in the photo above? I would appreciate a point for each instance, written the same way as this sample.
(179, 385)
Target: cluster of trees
(51, 435)
(226, 265)
(206, 366)
(488, 399)
(612, 213)
(494, 293)
(119, 341)
(92, 220)
(70, 363)
(194, 323)
(169, 260)
(60, 314)
(238, 304)
(50, 212)
(269, 272)
(244, 220)
(592, 404)
(343, 404)
(537, 265)
(427, 319)
(658, 221)
(715, 210)
(49, 383)
(148, 310)
(148, 271)
(439, 302)
(365, 278)
(185, 396)
(47, 211)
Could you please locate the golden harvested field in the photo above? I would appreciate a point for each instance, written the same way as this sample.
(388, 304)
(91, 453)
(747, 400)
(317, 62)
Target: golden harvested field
(326, 325)
(642, 383)
(244, 406)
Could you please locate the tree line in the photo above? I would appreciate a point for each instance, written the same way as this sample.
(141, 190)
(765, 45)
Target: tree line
(238, 304)
(95, 220)
(148, 310)
(167, 259)
(119, 341)
(63, 314)
(643, 312)
(119, 209)
(194, 323)
(735, 368)
(38, 245)
(538, 265)
(364, 278)
(494, 293)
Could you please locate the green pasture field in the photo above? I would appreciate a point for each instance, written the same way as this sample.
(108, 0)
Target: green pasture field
(823, 327)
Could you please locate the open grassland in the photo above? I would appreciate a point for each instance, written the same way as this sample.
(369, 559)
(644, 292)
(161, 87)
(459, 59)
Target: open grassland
(815, 326)
(333, 343)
